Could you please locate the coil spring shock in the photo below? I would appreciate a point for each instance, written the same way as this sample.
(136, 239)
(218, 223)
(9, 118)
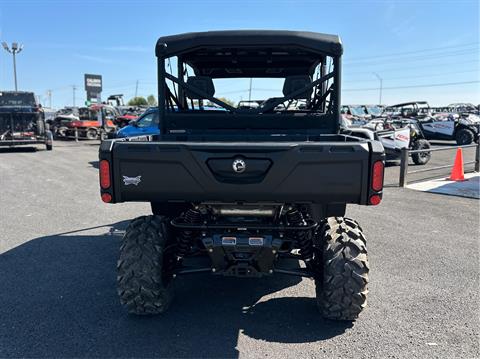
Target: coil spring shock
(295, 218)
(192, 216)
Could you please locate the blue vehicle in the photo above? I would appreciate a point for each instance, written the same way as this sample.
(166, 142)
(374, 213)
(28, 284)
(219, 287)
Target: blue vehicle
(145, 125)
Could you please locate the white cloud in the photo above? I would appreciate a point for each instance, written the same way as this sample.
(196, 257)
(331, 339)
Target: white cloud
(100, 60)
(126, 48)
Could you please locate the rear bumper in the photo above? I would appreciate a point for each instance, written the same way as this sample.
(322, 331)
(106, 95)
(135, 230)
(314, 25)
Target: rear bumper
(310, 172)
(11, 143)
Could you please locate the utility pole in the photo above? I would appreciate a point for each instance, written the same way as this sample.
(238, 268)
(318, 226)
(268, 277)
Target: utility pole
(74, 88)
(381, 87)
(49, 94)
(136, 88)
(250, 91)
(16, 48)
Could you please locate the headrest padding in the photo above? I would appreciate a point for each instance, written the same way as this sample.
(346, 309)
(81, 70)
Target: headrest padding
(294, 83)
(203, 83)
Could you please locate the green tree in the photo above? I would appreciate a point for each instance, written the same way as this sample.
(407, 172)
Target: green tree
(151, 100)
(227, 101)
(138, 101)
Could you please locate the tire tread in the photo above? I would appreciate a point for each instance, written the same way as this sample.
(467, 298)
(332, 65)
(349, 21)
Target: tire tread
(140, 284)
(341, 286)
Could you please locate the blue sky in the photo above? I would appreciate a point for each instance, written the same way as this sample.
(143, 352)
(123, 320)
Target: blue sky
(410, 44)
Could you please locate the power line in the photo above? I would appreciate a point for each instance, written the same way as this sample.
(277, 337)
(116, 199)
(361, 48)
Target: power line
(415, 67)
(414, 77)
(365, 89)
(416, 56)
(416, 51)
(430, 57)
(414, 86)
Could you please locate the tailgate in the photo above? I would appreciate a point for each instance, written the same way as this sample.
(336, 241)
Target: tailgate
(18, 125)
(307, 172)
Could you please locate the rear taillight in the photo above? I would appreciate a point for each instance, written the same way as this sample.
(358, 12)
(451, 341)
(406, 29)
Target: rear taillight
(104, 174)
(106, 197)
(377, 176)
(375, 199)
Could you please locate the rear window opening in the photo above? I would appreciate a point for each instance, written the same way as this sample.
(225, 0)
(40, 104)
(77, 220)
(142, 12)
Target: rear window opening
(264, 89)
(17, 99)
(275, 76)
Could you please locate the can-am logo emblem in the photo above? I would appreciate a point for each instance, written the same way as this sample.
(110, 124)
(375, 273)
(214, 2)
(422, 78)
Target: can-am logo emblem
(239, 165)
(131, 180)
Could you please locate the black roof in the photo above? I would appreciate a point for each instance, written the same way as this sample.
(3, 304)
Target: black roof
(19, 92)
(410, 103)
(316, 42)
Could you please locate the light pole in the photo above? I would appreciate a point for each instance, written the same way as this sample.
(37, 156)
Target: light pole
(250, 90)
(16, 48)
(49, 94)
(381, 87)
(74, 88)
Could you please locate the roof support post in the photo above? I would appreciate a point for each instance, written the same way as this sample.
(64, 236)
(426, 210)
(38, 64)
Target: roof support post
(180, 76)
(161, 93)
(337, 94)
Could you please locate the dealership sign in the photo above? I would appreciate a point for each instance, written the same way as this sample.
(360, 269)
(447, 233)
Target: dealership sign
(93, 86)
(93, 83)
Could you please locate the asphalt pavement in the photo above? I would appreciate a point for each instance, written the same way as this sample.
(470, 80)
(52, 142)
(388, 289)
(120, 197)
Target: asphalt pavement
(58, 296)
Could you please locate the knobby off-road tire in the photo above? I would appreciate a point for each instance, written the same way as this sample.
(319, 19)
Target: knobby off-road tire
(464, 136)
(144, 277)
(341, 285)
(423, 157)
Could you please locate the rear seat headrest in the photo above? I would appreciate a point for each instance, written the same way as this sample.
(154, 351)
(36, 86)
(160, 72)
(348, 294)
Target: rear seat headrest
(203, 83)
(294, 83)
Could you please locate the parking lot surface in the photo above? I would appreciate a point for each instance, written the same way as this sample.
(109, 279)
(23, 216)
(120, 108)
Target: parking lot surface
(58, 296)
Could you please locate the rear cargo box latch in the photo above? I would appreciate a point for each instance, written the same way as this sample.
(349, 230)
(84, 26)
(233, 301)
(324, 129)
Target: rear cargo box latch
(239, 165)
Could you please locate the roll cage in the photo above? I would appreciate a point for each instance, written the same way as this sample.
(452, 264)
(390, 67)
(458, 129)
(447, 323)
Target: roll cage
(308, 62)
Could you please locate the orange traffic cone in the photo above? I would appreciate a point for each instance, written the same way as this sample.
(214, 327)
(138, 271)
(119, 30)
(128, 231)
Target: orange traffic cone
(457, 170)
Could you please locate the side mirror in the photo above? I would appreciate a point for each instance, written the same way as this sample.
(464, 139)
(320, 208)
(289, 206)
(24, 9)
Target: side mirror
(133, 123)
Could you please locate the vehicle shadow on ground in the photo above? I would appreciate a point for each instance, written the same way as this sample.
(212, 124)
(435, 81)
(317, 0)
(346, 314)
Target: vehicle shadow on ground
(58, 299)
(94, 164)
(18, 149)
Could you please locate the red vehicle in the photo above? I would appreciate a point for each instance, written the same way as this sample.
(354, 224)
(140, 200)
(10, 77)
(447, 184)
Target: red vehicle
(129, 115)
(88, 125)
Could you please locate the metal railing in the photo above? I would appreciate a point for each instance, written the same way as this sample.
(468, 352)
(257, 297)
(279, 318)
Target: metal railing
(102, 135)
(405, 154)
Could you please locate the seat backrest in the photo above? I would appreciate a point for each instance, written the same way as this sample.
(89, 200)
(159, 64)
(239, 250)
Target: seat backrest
(203, 83)
(294, 83)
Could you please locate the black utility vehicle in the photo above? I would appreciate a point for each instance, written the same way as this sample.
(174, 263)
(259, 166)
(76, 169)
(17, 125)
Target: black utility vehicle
(242, 192)
(22, 121)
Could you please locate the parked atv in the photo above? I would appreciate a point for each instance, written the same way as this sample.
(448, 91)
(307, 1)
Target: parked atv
(404, 133)
(242, 192)
(374, 110)
(394, 136)
(464, 129)
(88, 125)
(22, 121)
(355, 112)
(61, 121)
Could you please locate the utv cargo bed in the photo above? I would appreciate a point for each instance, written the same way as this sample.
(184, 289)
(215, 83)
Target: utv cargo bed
(327, 171)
